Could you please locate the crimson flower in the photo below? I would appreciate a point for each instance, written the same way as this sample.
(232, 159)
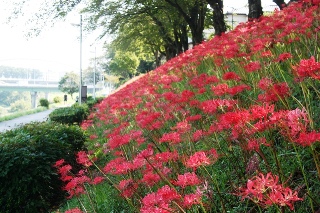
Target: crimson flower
(187, 179)
(252, 66)
(308, 68)
(266, 191)
(197, 159)
(75, 210)
(82, 158)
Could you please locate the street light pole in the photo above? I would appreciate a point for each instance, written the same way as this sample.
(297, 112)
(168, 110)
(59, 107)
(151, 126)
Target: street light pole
(80, 82)
(94, 73)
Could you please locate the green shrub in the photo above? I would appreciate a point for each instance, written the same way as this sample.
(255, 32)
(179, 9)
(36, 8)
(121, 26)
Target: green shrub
(29, 182)
(70, 115)
(91, 101)
(57, 100)
(44, 102)
(20, 105)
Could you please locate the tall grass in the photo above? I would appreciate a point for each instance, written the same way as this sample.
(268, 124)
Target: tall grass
(23, 113)
(229, 126)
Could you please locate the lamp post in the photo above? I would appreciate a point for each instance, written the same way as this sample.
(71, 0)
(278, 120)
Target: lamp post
(94, 73)
(80, 82)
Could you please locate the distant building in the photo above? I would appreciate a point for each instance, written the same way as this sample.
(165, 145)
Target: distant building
(233, 19)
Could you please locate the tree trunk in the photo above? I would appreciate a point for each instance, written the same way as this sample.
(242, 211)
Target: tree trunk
(194, 16)
(255, 9)
(281, 4)
(218, 16)
(181, 37)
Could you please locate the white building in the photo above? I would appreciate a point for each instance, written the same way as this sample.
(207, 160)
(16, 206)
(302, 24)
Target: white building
(233, 19)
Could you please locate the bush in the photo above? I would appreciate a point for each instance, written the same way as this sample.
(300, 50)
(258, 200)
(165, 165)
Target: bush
(20, 105)
(29, 182)
(91, 101)
(70, 115)
(44, 102)
(57, 100)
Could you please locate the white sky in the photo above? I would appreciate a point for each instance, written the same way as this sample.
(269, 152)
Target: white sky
(57, 49)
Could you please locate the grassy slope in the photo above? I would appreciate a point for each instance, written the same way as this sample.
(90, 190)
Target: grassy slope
(196, 130)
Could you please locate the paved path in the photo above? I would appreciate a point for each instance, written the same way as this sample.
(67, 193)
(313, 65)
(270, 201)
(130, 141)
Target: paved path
(40, 116)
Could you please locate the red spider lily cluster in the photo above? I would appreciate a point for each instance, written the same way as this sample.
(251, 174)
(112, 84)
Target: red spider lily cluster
(75, 184)
(164, 133)
(266, 191)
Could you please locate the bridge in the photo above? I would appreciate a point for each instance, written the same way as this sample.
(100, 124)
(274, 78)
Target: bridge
(36, 85)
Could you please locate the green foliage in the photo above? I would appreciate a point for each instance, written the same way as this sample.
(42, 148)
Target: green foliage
(91, 101)
(69, 83)
(124, 64)
(8, 97)
(21, 113)
(14, 72)
(103, 197)
(44, 102)
(3, 111)
(57, 99)
(20, 105)
(29, 182)
(70, 115)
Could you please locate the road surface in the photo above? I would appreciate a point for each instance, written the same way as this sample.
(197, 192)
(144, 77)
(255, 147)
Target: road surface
(40, 116)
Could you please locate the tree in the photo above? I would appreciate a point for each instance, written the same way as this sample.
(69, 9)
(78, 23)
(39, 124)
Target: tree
(69, 83)
(255, 9)
(218, 16)
(124, 64)
(193, 12)
(281, 4)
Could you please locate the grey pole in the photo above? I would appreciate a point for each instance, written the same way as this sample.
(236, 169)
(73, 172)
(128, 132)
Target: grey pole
(80, 82)
(94, 73)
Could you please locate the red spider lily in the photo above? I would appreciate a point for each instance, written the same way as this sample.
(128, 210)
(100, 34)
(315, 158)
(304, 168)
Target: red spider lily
(283, 197)
(231, 76)
(238, 89)
(75, 210)
(265, 83)
(284, 56)
(97, 180)
(127, 187)
(197, 135)
(59, 163)
(160, 201)
(307, 139)
(266, 191)
(211, 106)
(75, 186)
(187, 179)
(154, 109)
(173, 137)
(150, 178)
(252, 66)
(274, 93)
(153, 204)
(191, 199)
(64, 170)
(254, 144)
(182, 127)
(82, 158)
(197, 159)
(220, 89)
(165, 157)
(308, 68)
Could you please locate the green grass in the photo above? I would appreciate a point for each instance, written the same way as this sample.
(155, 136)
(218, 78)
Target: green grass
(20, 114)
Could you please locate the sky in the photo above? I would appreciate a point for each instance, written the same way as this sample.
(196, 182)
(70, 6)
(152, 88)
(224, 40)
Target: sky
(58, 48)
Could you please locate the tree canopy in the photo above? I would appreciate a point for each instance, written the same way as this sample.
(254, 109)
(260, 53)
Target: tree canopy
(69, 83)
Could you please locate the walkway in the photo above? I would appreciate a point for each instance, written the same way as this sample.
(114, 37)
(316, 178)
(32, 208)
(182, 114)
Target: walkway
(40, 116)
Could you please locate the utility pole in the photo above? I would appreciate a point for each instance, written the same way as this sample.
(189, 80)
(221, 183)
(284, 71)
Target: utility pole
(94, 73)
(80, 84)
